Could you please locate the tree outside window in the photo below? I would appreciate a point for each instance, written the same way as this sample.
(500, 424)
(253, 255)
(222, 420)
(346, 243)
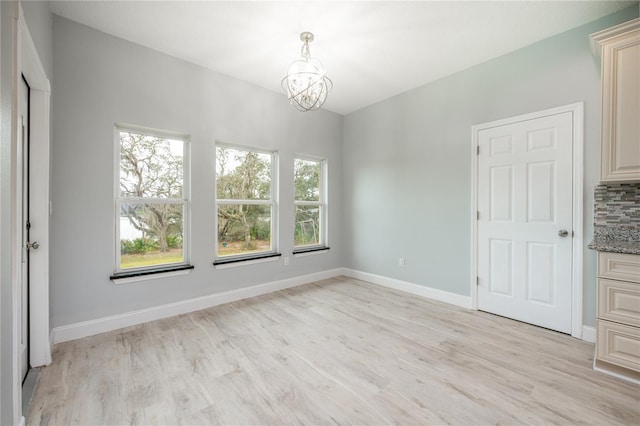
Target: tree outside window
(151, 203)
(309, 203)
(245, 202)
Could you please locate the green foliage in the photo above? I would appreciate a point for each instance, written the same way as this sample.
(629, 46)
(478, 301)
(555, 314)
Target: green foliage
(174, 241)
(307, 180)
(236, 222)
(243, 176)
(138, 246)
(152, 167)
(261, 230)
(307, 225)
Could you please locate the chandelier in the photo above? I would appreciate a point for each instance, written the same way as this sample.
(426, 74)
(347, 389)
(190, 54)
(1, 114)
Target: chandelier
(306, 84)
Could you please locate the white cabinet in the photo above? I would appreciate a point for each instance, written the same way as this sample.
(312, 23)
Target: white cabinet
(618, 322)
(620, 155)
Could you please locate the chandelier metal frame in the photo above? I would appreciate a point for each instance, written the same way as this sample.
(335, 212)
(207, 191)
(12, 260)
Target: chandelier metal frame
(306, 83)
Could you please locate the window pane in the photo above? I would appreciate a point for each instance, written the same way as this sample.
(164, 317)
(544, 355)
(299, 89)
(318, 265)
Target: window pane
(307, 230)
(151, 234)
(242, 175)
(150, 166)
(307, 180)
(243, 229)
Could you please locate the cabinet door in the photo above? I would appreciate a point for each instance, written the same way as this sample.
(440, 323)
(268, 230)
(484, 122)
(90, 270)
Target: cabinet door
(619, 301)
(618, 344)
(621, 108)
(619, 266)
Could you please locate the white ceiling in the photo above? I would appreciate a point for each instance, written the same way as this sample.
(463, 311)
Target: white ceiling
(371, 50)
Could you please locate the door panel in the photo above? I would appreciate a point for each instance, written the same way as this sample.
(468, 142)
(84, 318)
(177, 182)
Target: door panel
(541, 277)
(501, 193)
(524, 200)
(500, 257)
(540, 192)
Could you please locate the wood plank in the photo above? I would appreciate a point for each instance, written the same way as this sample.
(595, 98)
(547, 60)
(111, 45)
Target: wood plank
(335, 351)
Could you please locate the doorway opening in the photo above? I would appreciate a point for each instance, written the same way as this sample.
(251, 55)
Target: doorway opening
(27, 245)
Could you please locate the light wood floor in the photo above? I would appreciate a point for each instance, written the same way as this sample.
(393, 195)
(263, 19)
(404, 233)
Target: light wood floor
(337, 351)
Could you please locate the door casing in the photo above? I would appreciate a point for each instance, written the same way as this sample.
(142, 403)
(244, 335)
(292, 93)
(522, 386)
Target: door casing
(25, 61)
(577, 110)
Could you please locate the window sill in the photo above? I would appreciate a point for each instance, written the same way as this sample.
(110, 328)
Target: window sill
(302, 252)
(245, 260)
(150, 274)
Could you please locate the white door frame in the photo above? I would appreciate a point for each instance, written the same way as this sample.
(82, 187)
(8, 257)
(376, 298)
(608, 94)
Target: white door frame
(26, 62)
(577, 111)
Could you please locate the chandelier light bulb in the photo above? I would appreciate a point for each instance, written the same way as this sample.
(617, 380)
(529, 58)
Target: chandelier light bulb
(306, 83)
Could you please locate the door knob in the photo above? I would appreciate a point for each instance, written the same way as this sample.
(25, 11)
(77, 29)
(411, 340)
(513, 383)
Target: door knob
(34, 245)
(563, 233)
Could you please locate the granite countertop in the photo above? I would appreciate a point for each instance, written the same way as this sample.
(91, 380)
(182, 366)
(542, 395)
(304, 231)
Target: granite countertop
(615, 246)
(616, 239)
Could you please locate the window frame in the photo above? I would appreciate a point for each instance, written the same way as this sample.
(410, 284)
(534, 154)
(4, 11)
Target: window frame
(322, 202)
(250, 257)
(144, 272)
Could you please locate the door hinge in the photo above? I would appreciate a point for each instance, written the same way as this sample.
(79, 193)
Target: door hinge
(478, 150)
(28, 225)
(477, 214)
(477, 281)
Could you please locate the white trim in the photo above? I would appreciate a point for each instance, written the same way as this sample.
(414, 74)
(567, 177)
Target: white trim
(323, 199)
(39, 211)
(596, 39)
(589, 333)
(577, 110)
(25, 61)
(577, 328)
(273, 201)
(114, 322)
(31, 67)
(16, 222)
(407, 287)
(120, 200)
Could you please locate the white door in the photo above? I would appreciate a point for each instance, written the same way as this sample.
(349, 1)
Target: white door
(23, 142)
(525, 220)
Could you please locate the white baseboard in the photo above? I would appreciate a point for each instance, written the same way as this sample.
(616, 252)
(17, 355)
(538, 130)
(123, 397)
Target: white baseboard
(114, 322)
(588, 333)
(407, 287)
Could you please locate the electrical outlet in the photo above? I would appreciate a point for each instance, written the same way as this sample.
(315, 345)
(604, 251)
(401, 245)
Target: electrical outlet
(286, 261)
(401, 262)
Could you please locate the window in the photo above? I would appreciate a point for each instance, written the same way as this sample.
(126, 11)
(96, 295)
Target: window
(152, 207)
(245, 201)
(310, 205)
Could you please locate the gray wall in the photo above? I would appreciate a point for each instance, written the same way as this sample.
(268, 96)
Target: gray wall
(407, 160)
(101, 80)
(39, 19)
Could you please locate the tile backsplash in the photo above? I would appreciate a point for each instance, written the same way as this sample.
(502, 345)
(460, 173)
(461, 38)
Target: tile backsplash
(617, 209)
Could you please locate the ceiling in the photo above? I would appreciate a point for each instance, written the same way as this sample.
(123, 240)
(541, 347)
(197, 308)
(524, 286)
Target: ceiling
(371, 50)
